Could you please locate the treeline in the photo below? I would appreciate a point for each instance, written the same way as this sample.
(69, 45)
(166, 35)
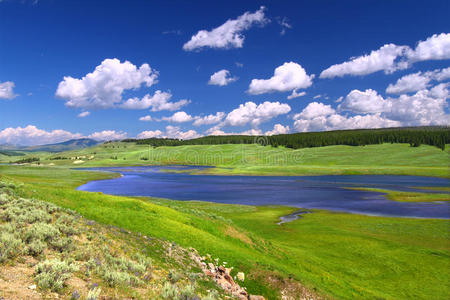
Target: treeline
(27, 160)
(415, 136)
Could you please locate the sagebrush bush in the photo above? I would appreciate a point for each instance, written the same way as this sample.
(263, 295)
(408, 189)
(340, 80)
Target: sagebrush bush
(10, 246)
(42, 232)
(35, 248)
(52, 274)
(169, 291)
(116, 278)
(94, 293)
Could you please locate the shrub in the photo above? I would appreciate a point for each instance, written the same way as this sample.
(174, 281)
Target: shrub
(42, 232)
(10, 246)
(94, 293)
(115, 278)
(52, 274)
(187, 292)
(169, 291)
(35, 248)
(61, 244)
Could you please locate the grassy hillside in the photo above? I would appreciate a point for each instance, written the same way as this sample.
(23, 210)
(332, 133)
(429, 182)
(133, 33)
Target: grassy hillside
(400, 159)
(335, 255)
(47, 252)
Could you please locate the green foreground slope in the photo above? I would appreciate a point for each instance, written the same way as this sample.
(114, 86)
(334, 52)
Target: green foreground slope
(337, 255)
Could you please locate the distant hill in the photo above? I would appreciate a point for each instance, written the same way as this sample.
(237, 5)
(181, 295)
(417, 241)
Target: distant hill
(64, 146)
(58, 147)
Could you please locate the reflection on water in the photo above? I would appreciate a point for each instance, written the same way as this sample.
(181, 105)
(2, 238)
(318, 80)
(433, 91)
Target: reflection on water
(321, 192)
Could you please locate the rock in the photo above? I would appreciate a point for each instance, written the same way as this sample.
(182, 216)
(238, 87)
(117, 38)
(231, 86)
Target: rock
(240, 276)
(212, 267)
(32, 287)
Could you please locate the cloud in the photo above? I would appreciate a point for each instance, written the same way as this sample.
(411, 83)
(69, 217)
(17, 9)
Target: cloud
(287, 77)
(83, 114)
(146, 118)
(383, 59)
(178, 117)
(7, 90)
(174, 31)
(31, 135)
(174, 132)
(158, 102)
(209, 119)
(426, 107)
(284, 23)
(363, 102)
(239, 65)
(409, 83)
(337, 122)
(391, 57)
(103, 88)
(256, 114)
(150, 134)
(108, 135)
(221, 78)
(417, 81)
(436, 47)
(278, 129)
(296, 95)
(228, 35)
(215, 131)
(313, 110)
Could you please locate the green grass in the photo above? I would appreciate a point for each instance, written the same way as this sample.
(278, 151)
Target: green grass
(408, 196)
(339, 255)
(396, 159)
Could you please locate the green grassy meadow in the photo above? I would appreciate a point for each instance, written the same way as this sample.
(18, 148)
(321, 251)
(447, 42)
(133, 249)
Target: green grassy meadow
(396, 159)
(335, 255)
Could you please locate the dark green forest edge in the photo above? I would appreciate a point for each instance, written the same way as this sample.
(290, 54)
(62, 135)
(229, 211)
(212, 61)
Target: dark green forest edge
(415, 136)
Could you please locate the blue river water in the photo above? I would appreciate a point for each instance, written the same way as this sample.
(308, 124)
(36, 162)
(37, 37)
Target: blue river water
(310, 192)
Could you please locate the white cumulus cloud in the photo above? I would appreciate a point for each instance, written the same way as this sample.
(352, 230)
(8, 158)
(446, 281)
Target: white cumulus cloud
(31, 135)
(256, 114)
(83, 114)
(383, 59)
(363, 102)
(288, 77)
(426, 107)
(7, 90)
(278, 129)
(103, 87)
(157, 102)
(221, 78)
(174, 132)
(391, 57)
(295, 94)
(435, 47)
(417, 81)
(150, 134)
(209, 119)
(108, 135)
(227, 35)
(178, 117)
(146, 118)
(313, 110)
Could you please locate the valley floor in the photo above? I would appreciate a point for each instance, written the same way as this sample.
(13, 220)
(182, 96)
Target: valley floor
(324, 254)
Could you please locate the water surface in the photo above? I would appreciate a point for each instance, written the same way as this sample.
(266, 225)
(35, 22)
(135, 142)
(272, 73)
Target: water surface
(321, 192)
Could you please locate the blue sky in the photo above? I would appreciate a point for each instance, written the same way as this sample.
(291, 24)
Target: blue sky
(174, 47)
